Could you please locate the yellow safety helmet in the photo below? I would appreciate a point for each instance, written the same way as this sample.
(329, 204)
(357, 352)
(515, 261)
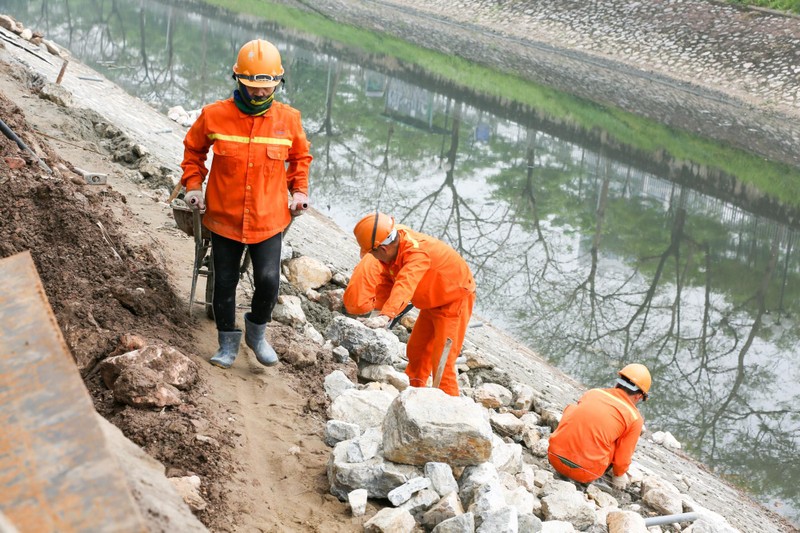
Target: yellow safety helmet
(638, 375)
(258, 64)
(374, 230)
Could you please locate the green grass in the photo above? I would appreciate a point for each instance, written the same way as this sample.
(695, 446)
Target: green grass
(778, 181)
(792, 6)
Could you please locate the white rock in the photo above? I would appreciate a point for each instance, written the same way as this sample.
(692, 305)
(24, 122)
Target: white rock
(366, 408)
(458, 524)
(390, 520)
(289, 311)
(504, 520)
(306, 272)
(404, 492)
(358, 501)
(448, 507)
(337, 431)
(625, 522)
(507, 425)
(189, 489)
(492, 395)
(441, 476)
(336, 383)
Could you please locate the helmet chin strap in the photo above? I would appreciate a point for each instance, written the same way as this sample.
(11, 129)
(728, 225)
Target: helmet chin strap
(375, 226)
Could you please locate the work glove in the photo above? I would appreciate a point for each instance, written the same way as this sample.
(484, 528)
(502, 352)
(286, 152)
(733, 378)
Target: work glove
(299, 204)
(376, 322)
(194, 199)
(620, 482)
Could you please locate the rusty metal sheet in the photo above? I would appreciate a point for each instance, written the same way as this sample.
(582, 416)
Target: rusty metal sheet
(56, 474)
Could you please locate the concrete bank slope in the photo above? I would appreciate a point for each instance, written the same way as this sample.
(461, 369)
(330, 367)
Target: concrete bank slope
(719, 71)
(317, 236)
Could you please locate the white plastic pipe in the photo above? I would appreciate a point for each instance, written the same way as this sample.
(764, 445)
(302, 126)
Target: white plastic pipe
(671, 519)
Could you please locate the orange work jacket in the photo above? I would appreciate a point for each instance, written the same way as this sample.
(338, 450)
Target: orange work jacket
(256, 162)
(359, 296)
(602, 429)
(426, 272)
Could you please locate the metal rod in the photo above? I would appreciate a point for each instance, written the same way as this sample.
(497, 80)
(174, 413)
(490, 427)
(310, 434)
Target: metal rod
(62, 71)
(8, 132)
(671, 519)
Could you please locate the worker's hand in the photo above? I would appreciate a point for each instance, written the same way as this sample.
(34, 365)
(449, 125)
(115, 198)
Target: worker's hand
(299, 204)
(620, 482)
(376, 322)
(194, 199)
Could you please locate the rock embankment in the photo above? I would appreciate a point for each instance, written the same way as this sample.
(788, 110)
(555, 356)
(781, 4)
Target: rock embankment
(717, 70)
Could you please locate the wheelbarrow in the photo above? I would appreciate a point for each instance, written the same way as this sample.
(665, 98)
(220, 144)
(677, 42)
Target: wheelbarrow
(187, 220)
(190, 221)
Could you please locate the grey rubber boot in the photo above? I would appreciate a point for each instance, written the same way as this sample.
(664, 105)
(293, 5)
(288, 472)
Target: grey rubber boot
(228, 348)
(254, 338)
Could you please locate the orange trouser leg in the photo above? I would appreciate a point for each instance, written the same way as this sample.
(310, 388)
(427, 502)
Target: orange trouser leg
(418, 350)
(431, 331)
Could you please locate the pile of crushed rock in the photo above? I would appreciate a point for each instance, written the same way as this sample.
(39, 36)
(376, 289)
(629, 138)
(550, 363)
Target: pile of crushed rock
(445, 464)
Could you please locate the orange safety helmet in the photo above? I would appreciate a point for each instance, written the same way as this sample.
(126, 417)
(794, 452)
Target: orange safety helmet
(258, 64)
(638, 375)
(372, 230)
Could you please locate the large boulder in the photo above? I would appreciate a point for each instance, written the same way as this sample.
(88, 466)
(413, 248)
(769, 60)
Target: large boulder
(425, 425)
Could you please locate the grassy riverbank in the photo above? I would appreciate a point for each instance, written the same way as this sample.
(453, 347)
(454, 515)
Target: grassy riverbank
(776, 180)
(791, 6)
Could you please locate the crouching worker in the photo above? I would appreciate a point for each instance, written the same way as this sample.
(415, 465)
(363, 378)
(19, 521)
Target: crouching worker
(400, 265)
(601, 430)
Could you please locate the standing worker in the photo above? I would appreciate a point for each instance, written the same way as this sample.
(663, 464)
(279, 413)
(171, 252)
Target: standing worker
(601, 430)
(261, 155)
(417, 268)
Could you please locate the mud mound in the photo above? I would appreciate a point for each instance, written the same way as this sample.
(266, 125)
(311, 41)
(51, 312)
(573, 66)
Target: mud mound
(98, 285)
(101, 288)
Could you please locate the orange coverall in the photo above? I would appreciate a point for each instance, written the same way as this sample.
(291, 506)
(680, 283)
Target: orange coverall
(602, 429)
(257, 159)
(431, 275)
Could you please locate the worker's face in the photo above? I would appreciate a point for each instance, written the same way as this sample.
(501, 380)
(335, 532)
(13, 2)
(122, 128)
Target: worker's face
(384, 254)
(260, 93)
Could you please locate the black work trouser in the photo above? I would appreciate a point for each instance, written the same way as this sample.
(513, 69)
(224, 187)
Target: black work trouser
(266, 260)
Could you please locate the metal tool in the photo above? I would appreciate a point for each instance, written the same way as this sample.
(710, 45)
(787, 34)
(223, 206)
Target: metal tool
(400, 315)
(437, 378)
(8, 132)
(92, 178)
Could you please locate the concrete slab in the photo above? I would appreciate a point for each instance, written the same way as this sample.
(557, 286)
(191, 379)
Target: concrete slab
(56, 474)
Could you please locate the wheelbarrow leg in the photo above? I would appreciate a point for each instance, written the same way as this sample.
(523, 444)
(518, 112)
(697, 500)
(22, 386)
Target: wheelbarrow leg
(199, 253)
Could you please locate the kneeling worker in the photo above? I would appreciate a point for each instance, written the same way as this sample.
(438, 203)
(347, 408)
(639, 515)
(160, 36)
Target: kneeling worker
(417, 268)
(601, 430)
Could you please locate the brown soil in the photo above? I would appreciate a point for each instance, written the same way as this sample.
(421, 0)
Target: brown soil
(113, 264)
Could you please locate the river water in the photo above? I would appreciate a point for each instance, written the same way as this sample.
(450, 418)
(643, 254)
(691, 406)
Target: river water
(593, 247)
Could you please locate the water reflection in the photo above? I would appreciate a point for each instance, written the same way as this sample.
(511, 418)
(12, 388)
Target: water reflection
(593, 252)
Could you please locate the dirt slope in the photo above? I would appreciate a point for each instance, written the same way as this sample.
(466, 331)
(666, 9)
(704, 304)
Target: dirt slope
(113, 264)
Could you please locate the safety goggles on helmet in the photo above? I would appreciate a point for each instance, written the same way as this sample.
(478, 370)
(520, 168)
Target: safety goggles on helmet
(389, 239)
(259, 77)
(627, 385)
